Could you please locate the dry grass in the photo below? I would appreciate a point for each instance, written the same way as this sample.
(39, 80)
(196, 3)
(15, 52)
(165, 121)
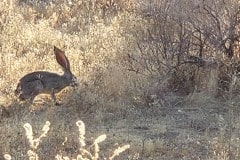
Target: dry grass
(160, 115)
(84, 153)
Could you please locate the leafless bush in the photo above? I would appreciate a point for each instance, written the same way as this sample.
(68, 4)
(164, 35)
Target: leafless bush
(185, 38)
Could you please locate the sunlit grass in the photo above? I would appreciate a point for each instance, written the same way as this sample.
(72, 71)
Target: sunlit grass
(97, 37)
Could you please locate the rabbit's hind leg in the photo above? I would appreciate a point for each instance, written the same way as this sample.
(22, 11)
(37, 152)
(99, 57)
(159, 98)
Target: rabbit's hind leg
(33, 89)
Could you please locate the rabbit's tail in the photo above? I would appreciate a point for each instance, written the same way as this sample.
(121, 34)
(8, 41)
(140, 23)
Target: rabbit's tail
(18, 92)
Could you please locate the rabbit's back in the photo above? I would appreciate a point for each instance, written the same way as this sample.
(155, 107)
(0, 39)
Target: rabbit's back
(35, 83)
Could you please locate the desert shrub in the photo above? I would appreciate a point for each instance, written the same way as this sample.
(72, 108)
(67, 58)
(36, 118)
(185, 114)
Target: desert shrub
(180, 45)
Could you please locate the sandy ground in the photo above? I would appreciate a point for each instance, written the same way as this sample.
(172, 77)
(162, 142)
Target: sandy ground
(174, 131)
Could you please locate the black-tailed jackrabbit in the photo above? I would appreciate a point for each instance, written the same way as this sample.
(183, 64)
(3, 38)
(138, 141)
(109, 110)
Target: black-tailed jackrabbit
(40, 82)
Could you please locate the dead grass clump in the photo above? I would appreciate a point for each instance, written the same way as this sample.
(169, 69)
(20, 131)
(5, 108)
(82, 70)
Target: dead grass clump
(228, 78)
(223, 150)
(189, 78)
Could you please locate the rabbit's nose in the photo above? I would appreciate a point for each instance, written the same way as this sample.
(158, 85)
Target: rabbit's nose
(74, 82)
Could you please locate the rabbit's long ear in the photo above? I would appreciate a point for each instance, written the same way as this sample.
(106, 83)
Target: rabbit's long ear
(62, 59)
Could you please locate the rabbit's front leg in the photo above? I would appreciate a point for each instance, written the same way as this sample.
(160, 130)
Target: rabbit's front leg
(54, 99)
